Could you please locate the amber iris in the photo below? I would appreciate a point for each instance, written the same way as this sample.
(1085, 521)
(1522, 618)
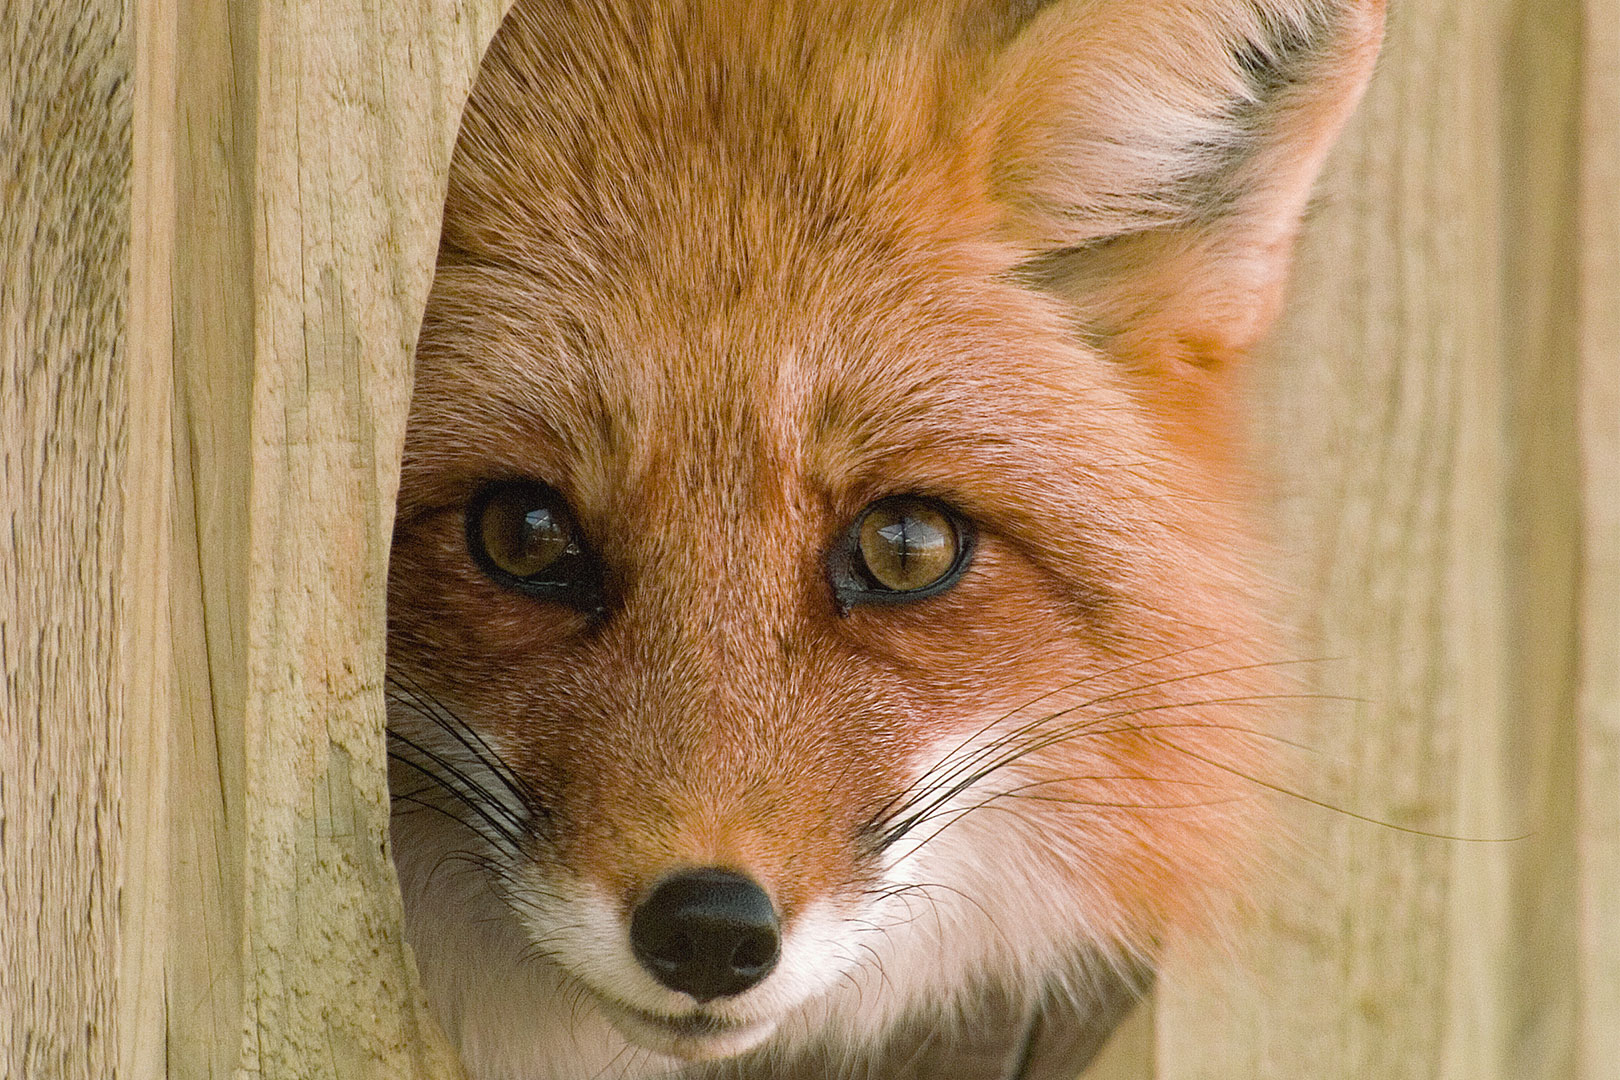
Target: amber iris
(907, 544)
(525, 530)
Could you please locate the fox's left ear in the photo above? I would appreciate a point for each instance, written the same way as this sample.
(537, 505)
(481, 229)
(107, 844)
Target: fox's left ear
(1151, 160)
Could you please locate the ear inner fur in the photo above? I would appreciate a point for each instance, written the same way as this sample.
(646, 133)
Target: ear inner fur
(1154, 161)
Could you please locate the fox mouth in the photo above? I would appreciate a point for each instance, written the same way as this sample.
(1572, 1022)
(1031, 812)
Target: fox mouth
(695, 1025)
(693, 1036)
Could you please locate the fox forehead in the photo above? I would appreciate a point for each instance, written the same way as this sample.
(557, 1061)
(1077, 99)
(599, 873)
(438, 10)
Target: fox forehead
(974, 392)
(666, 267)
(655, 133)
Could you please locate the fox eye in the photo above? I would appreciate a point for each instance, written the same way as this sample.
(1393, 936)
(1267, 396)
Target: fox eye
(901, 548)
(522, 536)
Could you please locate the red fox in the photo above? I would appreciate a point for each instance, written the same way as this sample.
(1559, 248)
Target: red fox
(822, 634)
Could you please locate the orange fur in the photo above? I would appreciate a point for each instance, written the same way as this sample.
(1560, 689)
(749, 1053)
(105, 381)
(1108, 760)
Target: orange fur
(723, 274)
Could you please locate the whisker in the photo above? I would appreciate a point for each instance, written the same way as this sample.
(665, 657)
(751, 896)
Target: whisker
(924, 886)
(955, 816)
(1086, 727)
(415, 799)
(451, 771)
(1046, 695)
(422, 704)
(489, 865)
(935, 780)
(509, 826)
(1307, 799)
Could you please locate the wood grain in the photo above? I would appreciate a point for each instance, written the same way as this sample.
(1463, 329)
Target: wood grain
(65, 103)
(1598, 745)
(206, 113)
(309, 147)
(352, 131)
(148, 499)
(1539, 995)
(1419, 419)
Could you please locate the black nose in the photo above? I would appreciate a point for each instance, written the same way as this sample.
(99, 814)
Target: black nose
(708, 933)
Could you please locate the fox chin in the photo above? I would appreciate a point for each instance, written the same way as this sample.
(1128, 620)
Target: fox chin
(824, 637)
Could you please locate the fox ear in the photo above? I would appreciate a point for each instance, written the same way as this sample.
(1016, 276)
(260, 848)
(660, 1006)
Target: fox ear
(1152, 159)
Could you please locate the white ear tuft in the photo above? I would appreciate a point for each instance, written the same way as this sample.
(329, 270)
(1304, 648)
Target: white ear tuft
(1153, 158)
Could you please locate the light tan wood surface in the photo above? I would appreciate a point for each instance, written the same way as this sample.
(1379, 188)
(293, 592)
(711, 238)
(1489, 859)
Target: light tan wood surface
(310, 146)
(64, 442)
(1437, 428)
(203, 388)
(1597, 746)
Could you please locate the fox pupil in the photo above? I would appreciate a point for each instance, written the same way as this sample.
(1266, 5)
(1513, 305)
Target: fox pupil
(907, 545)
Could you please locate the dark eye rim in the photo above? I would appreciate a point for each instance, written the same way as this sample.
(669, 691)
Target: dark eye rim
(575, 579)
(854, 585)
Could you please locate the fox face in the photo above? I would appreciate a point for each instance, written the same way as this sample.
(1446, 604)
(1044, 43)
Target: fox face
(817, 609)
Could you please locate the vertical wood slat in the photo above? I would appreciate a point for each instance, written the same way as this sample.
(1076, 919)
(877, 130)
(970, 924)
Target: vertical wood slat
(1377, 411)
(353, 129)
(1453, 543)
(206, 115)
(1381, 407)
(312, 143)
(1598, 911)
(65, 101)
(146, 505)
(1542, 507)
(289, 169)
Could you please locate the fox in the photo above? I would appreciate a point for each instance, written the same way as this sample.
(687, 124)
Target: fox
(825, 630)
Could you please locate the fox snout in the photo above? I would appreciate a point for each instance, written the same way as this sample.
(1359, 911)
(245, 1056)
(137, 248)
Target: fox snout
(709, 933)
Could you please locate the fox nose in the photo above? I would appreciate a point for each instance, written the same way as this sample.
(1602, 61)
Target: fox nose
(709, 933)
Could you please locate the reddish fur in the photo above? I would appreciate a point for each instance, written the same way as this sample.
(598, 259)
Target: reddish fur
(723, 274)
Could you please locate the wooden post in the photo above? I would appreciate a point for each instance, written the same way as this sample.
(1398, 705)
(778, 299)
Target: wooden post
(65, 450)
(1440, 424)
(1597, 749)
(217, 242)
(311, 143)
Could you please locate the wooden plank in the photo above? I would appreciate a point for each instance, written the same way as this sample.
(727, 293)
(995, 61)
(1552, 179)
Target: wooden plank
(1599, 697)
(341, 250)
(311, 142)
(354, 118)
(65, 103)
(1540, 89)
(207, 112)
(1376, 952)
(148, 530)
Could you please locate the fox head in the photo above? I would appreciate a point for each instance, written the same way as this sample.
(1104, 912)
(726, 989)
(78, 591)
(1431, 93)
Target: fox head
(816, 600)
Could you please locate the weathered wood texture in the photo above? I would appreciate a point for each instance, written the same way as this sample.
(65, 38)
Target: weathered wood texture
(219, 228)
(310, 144)
(1438, 419)
(64, 260)
(1597, 769)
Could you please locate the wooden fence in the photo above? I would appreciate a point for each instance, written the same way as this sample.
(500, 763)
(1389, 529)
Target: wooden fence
(218, 225)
